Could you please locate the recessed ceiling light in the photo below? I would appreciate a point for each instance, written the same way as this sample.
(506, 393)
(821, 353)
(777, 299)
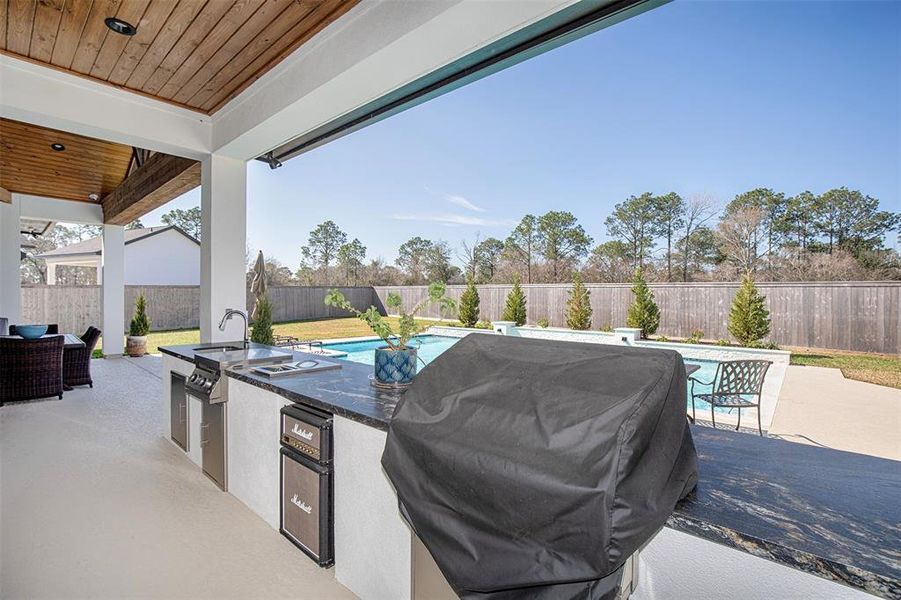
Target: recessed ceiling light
(120, 26)
(93, 197)
(57, 146)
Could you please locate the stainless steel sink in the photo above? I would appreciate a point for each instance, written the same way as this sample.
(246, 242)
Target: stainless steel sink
(206, 349)
(220, 357)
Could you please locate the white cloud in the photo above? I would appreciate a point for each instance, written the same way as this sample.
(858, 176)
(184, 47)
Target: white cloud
(454, 220)
(463, 203)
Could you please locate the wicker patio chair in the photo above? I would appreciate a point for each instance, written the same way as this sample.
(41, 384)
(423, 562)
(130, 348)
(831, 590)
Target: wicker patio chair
(31, 368)
(77, 361)
(52, 329)
(733, 381)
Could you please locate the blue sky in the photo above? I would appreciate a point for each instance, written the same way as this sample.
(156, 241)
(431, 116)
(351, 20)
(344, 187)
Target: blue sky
(696, 97)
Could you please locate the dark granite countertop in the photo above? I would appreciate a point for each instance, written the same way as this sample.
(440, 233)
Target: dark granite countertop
(346, 391)
(831, 513)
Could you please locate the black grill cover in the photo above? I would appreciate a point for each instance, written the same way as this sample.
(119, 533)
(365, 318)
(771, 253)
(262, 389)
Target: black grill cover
(535, 468)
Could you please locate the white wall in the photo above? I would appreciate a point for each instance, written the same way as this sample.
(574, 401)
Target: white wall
(167, 258)
(373, 544)
(36, 94)
(679, 566)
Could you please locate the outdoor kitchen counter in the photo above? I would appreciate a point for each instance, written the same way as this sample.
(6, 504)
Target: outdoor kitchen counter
(830, 513)
(345, 391)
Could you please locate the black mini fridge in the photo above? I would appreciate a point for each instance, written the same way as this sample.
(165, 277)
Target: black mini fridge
(307, 489)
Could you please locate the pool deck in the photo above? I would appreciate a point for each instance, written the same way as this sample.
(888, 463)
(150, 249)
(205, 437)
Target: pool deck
(818, 406)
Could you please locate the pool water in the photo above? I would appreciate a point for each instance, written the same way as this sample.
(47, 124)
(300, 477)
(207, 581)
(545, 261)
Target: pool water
(430, 346)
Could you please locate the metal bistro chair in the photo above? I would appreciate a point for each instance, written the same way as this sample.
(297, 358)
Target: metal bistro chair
(733, 380)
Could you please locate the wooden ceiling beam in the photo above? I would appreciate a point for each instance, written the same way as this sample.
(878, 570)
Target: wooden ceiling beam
(160, 179)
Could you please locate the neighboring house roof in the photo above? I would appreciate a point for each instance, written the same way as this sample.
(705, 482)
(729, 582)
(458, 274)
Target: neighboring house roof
(94, 245)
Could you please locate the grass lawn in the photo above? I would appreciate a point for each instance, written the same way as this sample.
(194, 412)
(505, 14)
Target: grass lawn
(881, 369)
(319, 329)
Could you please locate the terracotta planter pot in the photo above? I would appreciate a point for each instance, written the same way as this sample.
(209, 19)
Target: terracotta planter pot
(136, 345)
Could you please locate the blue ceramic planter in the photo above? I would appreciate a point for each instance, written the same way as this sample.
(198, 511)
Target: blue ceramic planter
(395, 367)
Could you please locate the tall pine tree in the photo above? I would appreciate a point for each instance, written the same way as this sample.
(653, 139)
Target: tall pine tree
(749, 319)
(578, 305)
(643, 312)
(515, 308)
(469, 305)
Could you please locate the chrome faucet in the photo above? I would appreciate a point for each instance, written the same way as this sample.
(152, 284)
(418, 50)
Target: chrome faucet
(229, 313)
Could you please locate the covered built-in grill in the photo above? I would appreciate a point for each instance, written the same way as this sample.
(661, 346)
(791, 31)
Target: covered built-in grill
(536, 468)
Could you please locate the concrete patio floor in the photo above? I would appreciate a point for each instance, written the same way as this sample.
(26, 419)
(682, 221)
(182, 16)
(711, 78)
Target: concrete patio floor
(819, 406)
(95, 504)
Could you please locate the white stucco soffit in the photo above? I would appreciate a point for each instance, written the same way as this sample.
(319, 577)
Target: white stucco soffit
(46, 97)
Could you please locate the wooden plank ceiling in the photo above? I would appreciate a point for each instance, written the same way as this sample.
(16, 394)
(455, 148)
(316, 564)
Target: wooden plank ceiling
(28, 164)
(128, 183)
(194, 53)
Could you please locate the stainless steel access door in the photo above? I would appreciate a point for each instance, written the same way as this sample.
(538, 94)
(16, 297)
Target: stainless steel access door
(212, 441)
(178, 411)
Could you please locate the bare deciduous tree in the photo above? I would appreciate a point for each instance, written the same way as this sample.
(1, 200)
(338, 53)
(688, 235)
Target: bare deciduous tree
(699, 209)
(739, 234)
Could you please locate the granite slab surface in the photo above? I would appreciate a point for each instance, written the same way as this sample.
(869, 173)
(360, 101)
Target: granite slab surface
(831, 513)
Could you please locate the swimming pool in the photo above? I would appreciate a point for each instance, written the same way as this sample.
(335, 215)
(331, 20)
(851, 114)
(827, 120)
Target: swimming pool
(430, 346)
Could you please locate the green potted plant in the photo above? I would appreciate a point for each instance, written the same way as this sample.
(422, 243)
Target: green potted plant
(136, 341)
(395, 363)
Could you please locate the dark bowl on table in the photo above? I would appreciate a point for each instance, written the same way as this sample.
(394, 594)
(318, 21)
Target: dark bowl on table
(31, 332)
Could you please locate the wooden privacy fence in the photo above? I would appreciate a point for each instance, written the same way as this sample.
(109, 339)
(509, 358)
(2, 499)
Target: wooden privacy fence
(295, 303)
(862, 316)
(170, 307)
(76, 307)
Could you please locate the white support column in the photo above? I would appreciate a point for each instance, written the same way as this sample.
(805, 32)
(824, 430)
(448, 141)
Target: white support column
(223, 202)
(113, 257)
(100, 273)
(51, 273)
(10, 261)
